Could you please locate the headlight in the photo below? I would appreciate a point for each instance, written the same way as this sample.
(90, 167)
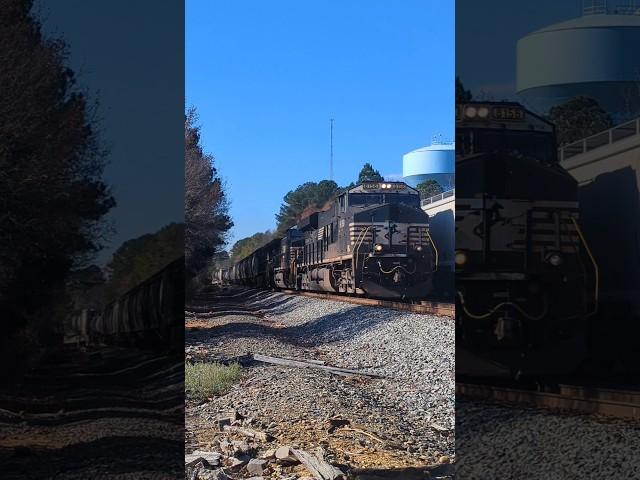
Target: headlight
(461, 258)
(377, 247)
(419, 248)
(554, 259)
(471, 112)
(483, 112)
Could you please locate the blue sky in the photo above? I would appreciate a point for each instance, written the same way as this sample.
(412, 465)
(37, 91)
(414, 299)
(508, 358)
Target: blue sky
(266, 77)
(486, 36)
(131, 60)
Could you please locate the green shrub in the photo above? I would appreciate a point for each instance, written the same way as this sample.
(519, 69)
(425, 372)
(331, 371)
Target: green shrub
(203, 380)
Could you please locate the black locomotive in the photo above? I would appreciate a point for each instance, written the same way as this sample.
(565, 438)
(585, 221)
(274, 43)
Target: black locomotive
(373, 241)
(525, 278)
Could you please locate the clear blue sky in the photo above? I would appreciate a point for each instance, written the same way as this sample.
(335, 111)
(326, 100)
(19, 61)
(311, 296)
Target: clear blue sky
(131, 60)
(266, 77)
(486, 36)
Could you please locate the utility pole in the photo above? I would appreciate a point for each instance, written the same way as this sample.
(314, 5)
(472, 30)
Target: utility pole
(331, 152)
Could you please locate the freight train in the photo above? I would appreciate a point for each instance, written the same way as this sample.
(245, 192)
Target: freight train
(150, 315)
(372, 241)
(526, 281)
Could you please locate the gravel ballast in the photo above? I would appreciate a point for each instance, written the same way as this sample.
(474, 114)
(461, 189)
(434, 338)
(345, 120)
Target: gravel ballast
(407, 416)
(506, 441)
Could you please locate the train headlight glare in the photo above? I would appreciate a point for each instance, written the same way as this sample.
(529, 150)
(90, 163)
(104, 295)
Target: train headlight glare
(419, 248)
(461, 258)
(377, 247)
(471, 112)
(554, 259)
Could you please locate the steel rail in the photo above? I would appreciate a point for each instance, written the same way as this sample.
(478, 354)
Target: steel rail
(423, 307)
(589, 400)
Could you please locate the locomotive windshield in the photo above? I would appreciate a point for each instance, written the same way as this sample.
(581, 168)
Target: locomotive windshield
(365, 199)
(537, 145)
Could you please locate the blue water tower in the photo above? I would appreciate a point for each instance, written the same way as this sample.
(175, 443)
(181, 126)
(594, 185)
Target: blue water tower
(595, 55)
(435, 162)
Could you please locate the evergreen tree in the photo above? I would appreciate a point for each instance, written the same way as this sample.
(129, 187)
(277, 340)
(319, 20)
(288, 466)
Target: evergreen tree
(302, 201)
(429, 188)
(206, 208)
(369, 174)
(578, 118)
(462, 95)
(53, 197)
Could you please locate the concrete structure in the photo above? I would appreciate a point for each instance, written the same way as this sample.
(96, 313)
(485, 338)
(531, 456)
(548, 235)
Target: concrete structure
(594, 55)
(436, 162)
(607, 166)
(442, 212)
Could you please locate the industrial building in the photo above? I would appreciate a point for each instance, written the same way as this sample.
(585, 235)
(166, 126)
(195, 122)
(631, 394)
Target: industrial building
(594, 55)
(436, 162)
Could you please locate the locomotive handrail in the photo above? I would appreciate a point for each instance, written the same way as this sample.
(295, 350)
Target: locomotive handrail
(356, 249)
(500, 305)
(433, 244)
(397, 267)
(596, 270)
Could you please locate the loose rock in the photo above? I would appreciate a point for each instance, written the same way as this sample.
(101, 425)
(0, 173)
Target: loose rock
(256, 466)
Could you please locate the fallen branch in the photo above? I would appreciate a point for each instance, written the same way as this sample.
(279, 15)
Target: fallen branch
(248, 432)
(305, 364)
(363, 432)
(316, 465)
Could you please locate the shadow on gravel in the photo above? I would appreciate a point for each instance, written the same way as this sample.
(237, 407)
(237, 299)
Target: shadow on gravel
(411, 473)
(86, 414)
(272, 307)
(91, 459)
(339, 326)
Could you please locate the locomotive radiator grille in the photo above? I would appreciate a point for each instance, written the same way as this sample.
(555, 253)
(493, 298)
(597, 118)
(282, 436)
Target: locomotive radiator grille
(415, 234)
(549, 226)
(356, 231)
(418, 234)
(544, 228)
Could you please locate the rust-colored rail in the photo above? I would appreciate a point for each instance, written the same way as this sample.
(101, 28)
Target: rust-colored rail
(423, 307)
(591, 400)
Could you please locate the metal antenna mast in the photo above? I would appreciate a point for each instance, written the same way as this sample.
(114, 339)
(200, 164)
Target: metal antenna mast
(331, 154)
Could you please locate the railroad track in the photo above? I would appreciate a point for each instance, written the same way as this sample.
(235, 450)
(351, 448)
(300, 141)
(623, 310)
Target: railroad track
(423, 307)
(571, 398)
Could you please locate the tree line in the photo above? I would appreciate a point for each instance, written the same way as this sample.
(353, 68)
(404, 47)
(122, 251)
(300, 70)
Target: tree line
(54, 199)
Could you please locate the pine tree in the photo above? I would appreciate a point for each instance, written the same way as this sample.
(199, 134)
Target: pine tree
(369, 174)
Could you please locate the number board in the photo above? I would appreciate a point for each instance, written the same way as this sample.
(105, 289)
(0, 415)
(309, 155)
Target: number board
(389, 186)
(508, 113)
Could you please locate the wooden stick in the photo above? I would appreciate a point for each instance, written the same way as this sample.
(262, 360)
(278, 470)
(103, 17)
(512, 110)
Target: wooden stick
(364, 432)
(248, 432)
(320, 469)
(304, 364)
